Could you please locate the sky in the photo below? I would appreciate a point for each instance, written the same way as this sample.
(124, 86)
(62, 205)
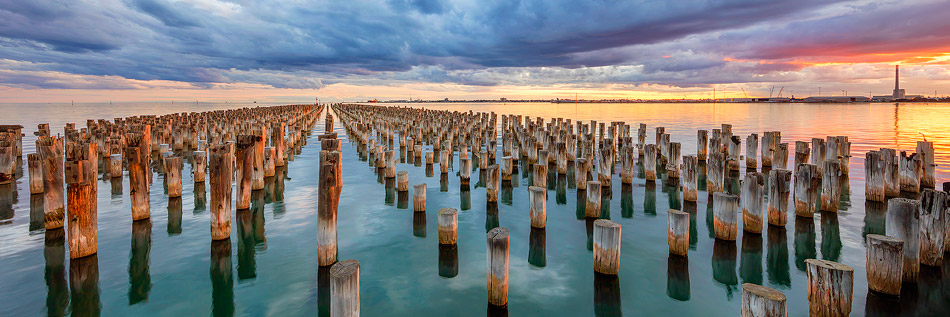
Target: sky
(295, 51)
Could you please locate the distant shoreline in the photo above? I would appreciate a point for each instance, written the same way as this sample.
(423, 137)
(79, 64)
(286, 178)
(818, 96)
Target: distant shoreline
(940, 100)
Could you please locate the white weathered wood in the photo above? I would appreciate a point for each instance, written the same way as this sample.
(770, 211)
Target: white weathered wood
(903, 222)
(725, 216)
(677, 234)
(885, 264)
(498, 239)
(830, 288)
(606, 247)
(933, 214)
(761, 301)
(345, 289)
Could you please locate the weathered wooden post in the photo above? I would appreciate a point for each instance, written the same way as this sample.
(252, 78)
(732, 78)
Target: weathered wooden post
(419, 197)
(933, 214)
(903, 222)
(831, 185)
(498, 239)
(702, 139)
(627, 166)
(606, 247)
(51, 154)
(540, 175)
(752, 200)
(482, 160)
(430, 158)
(82, 212)
(807, 184)
(506, 168)
(593, 200)
(873, 176)
(402, 181)
(35, 167)
(752, 151)
(910, 170)
(761, 301)
(780, 156)
(115, 166)
(345, 289)
(725, 216)
(690, 180)
(770, 141)
(244, 157)
(779, 188)
(892, 182)
(465, 171)
(802, 154)
(925, 150)
(330, 184)
(677, 235)
(220, 172)
(390, 169)
(137, 158)
(649, 162)
(448, 226)
(885, 264)
(173, 167)
(270, 167)
(537, 207)
(715, 172)
(830, 288)
(444, 162)
(492, 184)
(580, 173)
(200, 165)
(733, 144)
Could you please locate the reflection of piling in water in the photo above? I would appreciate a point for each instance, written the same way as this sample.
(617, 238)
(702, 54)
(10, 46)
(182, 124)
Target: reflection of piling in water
(804, 241)
(776, 258)
(36, 212)
(830, 288)
(750, 259)
(323, 291)
(537, 240)
(419, 224)
(140, 280)
(903, 218)
(84, 286)
(626, 201)
(649, 199)
(830, 236)
(885, 264)
(759, 300)
(498, 267)
(724, 264)
(448, 260)
(54, 252)
(174, 216)
(677, 277)
(607, 295)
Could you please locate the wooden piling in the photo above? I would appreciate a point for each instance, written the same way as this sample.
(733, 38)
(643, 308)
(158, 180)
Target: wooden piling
(677, 235)
(51, 154)
(649, 162)
(345, 289)
(830, 288)
(753, 201)
(831, 185)
(761, 301)
(702, 139)
(270, 166)
(537, 207)
(244, 157)
(903, 222)
(402, 181)
(81, 211)
(199, 166)
(892, 183)
(593, 200)
(220, 174)
(498, 239)
(752, 151)
(925, 149)
(885, 264)
(330, 184)
(779, 188)
(715, 172)
(725, 216)
(539, 175)
(933, 214)
(448, 226)
(873, 176)
(137, 158)
(173, 167)
(444, 162)
(506, 168)
(35, 168)
(465, 171)
(115, 166)
(419, 197)
(492, 184)
(690, 180)
(910, 170)
(606, 247)
(580, 173)
(807, 185)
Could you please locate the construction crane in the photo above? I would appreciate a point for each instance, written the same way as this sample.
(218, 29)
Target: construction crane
(780, 92)
(771, 91)
(743, 92)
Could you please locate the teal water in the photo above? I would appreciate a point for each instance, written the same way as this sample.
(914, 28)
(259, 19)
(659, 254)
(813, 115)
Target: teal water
(169, 266)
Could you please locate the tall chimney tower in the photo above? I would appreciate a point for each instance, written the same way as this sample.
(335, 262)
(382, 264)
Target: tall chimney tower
(898, 92)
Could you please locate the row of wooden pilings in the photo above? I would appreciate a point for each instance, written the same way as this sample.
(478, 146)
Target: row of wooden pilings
(216, 141)
(818, 181)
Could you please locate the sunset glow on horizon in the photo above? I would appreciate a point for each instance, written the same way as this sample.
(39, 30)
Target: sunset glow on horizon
(223, 51)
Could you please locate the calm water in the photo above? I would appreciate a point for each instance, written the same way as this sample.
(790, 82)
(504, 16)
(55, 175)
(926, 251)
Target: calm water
(169, 266)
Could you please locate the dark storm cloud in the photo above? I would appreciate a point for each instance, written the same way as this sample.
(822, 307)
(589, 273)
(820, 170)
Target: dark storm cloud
(467, 42)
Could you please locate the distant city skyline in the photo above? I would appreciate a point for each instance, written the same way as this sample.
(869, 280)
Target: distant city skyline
(276, 52)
